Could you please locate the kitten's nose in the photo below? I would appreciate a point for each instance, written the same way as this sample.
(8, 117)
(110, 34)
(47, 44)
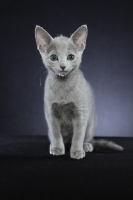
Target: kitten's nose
(62, 67)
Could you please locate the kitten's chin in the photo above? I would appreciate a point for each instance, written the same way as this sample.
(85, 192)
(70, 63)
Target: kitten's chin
(62, 74)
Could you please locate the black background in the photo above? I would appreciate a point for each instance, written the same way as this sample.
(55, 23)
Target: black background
(107, 61)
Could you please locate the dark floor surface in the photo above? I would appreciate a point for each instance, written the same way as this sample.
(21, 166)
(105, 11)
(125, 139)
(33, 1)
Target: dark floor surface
(28, 171)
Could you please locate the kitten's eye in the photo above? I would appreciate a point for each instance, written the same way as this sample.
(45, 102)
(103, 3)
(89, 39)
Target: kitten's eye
(53, 57)
(70, 57)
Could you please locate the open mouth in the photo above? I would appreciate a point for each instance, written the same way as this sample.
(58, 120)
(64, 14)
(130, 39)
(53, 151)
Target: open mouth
(62, 73)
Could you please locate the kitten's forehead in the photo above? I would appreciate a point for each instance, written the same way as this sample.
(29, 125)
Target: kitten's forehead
(62, 44)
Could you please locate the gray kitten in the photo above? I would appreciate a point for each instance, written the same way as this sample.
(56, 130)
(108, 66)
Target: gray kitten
(68, 97)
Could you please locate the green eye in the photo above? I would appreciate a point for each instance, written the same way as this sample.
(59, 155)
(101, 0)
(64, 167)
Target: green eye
(70, 57)
(53, 57)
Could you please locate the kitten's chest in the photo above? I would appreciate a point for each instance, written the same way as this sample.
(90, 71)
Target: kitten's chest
(61, 93)
(60, 98)
(64, 112)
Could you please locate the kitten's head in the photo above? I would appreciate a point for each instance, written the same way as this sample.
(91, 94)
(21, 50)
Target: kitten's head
(61, 55)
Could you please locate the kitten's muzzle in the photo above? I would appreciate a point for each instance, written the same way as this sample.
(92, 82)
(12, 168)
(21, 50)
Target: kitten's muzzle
(62, 73)
(62, 67)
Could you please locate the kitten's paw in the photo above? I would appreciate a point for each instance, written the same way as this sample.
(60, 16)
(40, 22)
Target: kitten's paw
(57, 151)
(77, 154)
(88, 147)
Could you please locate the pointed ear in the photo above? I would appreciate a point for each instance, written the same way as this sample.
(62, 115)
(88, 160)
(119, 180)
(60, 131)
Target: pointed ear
(79, 37)
(43, 39)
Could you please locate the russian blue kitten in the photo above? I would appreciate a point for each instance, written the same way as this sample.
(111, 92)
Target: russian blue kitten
(68, 97)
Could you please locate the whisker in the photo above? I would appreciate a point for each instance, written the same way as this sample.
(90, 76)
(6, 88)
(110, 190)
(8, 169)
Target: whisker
(41, 77)
(39, 72)
(42, 66)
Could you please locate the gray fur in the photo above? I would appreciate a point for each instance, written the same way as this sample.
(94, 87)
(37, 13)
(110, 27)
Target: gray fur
(68, 97)
(106, 144)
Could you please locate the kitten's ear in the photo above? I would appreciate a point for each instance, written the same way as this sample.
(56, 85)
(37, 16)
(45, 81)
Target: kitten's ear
(43, 39)
(79, 37)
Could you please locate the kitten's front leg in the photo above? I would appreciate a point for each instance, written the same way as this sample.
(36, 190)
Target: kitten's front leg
(56, 141)
(79, 128)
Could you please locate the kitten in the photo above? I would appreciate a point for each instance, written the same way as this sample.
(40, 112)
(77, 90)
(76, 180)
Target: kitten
(68, 97)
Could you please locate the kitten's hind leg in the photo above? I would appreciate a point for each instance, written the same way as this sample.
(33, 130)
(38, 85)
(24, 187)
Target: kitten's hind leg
(87, 146)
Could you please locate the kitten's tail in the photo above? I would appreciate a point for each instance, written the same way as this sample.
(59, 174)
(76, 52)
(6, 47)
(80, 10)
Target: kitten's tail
(106, 144)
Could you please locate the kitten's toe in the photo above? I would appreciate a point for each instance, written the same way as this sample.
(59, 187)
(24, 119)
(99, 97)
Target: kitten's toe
(77, 154)
(57, 151)
(88, 147)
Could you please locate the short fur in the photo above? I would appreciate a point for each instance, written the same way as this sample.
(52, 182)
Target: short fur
(68, 97)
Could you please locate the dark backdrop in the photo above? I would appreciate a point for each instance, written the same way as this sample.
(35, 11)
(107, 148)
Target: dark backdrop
(107, 61)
